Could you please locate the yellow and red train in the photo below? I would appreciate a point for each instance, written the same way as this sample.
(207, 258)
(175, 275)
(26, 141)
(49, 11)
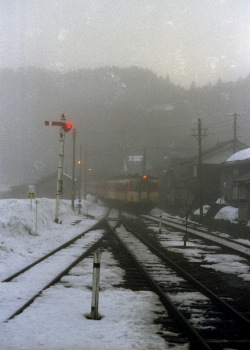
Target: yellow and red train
(134, 191)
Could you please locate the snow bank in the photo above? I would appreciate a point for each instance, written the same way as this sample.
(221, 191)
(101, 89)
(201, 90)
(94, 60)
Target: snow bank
(221, 201)
(205, 210)
(17, 217)
(56, 320)
(227, 213)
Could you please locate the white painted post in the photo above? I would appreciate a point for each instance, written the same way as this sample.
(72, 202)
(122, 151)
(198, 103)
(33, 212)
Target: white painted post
(36, 214)
(160, 223)
(95, 286)
(60, 169)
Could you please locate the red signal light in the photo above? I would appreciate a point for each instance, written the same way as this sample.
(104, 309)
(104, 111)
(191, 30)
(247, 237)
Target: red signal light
(67, 126)
(144, 177)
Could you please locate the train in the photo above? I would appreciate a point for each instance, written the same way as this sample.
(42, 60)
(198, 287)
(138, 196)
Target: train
(134, 191)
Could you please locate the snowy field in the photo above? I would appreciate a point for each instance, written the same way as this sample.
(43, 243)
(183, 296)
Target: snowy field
(56, 320)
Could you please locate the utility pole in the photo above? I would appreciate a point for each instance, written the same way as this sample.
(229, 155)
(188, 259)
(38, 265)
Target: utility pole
(199, 137)
(73, 170)
(144, 163)
(85, 173)
(80, 176)
(235, 132)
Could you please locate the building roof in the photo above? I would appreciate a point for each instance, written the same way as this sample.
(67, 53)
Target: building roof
(217, 154)
(239, 156)
(244, 178)
(54, 176)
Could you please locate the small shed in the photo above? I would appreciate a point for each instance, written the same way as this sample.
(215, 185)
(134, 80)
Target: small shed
(234, 168)
(212, 159)
(241, 195)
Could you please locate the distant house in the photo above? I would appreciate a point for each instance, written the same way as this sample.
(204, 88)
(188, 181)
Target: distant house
(212, 158)
(46, 187)
(18, 191)
(235, 182)
(133, 165)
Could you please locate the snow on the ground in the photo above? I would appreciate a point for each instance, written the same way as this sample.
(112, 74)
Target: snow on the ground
(209, 256)
(56, 320)
(21, 244)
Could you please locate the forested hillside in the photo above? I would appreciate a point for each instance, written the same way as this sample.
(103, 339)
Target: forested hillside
(116, 112)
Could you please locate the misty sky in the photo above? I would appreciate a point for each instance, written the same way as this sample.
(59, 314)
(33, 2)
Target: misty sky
(191, 40)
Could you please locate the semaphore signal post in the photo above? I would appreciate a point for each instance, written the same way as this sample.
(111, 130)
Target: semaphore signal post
(64, 127)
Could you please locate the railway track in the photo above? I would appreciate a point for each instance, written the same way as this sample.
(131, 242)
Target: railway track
(189, 229)
(49, 270)
(223, 269)
(192, 317)
(32, 280)
(209, 321)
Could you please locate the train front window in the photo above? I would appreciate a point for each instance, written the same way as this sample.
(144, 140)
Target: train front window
(153, 187)
(134, 186)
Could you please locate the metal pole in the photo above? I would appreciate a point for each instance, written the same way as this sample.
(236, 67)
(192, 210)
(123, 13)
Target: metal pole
(60, 169)
(36, 214)
(73, 170)
(80, 176)
(85, 173)
(200, 170)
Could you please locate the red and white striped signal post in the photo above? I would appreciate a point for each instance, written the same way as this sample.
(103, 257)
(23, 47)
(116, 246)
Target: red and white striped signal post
(64, 127)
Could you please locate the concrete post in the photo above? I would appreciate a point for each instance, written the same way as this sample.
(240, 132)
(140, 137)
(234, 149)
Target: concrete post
(95, 286)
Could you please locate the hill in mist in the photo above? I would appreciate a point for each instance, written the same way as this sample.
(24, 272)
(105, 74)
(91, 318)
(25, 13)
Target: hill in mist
(116, 112)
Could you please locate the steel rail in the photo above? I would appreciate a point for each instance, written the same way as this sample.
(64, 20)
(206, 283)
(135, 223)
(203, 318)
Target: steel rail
(242, 319)
(59, 276)
(63, 246)
(239, 248)
(166, 301)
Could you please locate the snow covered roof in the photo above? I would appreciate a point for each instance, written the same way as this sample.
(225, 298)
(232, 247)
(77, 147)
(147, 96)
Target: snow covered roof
(218, 153)
(135, 158)
(241, 155)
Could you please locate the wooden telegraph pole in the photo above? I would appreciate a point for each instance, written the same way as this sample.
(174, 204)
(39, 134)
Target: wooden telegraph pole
(85, 173)
(199, 137)
(80, 176)
(235, 132)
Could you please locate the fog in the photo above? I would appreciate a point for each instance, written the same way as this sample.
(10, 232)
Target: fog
(191, 41)
(132, 76)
